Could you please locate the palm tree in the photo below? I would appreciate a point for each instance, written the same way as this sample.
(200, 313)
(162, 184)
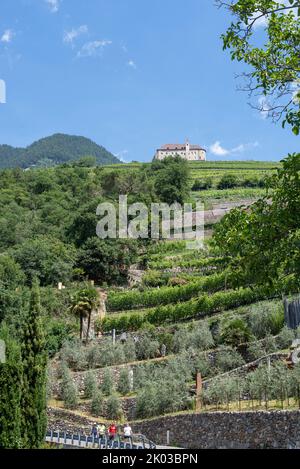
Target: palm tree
(84, 302)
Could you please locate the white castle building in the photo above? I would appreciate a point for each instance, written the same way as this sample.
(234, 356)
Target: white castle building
(186, 151)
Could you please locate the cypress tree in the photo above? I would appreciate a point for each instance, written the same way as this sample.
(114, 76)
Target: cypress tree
(34, 357)
(10, 393)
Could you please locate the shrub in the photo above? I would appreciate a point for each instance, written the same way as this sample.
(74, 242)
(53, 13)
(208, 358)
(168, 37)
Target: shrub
(228, 181)
(202, 184)
(90, 384)
(107, 385)
(255, 350)
(124, 382)
(234, 332)
(129, 350)
(285, 337)
(69, 391)
(74, 355)
(146, 347)
(113, 407)
(97, 404)
(266, 318)
(227, 359)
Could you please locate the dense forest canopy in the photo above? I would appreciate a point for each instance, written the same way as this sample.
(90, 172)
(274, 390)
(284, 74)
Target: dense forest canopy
(57, 149)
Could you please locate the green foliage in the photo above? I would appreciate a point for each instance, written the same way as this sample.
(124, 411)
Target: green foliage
(107, 385)
(10, 394)
(228, 181)
(146, 347)
(165, 295)
(58, 148)
(227, 359)
(113, 407)
(234, 332)
(97, 404)
(70, 395)
(274, 62)
(202, 184)
(124, 382)
(203, 306)
(264, 238)
(45, 258)
(107, 260)
(34, 358)
(171, 179)
(285, 338)
(266, 318)
(199, 338)
(90, 384)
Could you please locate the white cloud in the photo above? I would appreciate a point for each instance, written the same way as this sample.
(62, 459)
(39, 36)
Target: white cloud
(264, 107)
(261, 22)
(70, 36)
(7, 36)
(121, 156)
(131, 64)
(93, 48)
(217, 149)
(53, 5)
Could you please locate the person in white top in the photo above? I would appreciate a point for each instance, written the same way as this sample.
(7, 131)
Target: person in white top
(128, 432)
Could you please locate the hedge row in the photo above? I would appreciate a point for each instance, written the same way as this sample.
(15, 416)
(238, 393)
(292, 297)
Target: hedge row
(200, 307)
(154, 297)
(192, 263)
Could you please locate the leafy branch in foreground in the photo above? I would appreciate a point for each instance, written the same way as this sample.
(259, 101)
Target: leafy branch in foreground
(274, 56)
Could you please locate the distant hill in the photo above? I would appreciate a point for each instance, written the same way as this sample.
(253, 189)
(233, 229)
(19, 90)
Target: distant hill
(50, 151)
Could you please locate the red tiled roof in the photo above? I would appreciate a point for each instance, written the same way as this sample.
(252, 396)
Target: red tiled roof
(178, 146)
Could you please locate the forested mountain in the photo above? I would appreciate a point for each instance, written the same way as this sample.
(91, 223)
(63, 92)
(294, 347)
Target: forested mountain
(56, 149)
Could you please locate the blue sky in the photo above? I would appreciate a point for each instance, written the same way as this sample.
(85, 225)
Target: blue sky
(129, 74)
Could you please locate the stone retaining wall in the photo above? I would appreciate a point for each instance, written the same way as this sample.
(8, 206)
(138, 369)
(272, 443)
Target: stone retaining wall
(280, 429)
(262, 429)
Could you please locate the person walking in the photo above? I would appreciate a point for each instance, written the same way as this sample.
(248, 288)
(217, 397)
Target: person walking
(112, 432)
(128, 433)
(101, 429)
(94, 430)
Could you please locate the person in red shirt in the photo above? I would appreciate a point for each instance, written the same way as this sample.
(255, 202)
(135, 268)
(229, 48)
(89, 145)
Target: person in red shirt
(112, 431)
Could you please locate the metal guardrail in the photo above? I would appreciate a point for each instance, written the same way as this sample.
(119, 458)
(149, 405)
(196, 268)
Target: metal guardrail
(83, 441)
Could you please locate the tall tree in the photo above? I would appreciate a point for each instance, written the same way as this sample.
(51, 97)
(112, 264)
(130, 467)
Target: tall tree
(34, 419)
(263, 240)
(273, 56)
(10, 393)
(84, 302)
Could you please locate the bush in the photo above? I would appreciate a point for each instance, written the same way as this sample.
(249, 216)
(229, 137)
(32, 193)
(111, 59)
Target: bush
(234, 332)
(90, 384)
(69, 393)
(228, 181)
(107, 385)
(266, 318)
(227, 359)
(199, 338)
(113, 408)
(129, 350)
(146, 347)
(124, 382)
(74, 355)
(255, 350)
(285, 338)
(202, 184)
(97, 405)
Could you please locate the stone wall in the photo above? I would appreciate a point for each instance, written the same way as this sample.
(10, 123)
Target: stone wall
(277, 429)
(262, 429)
